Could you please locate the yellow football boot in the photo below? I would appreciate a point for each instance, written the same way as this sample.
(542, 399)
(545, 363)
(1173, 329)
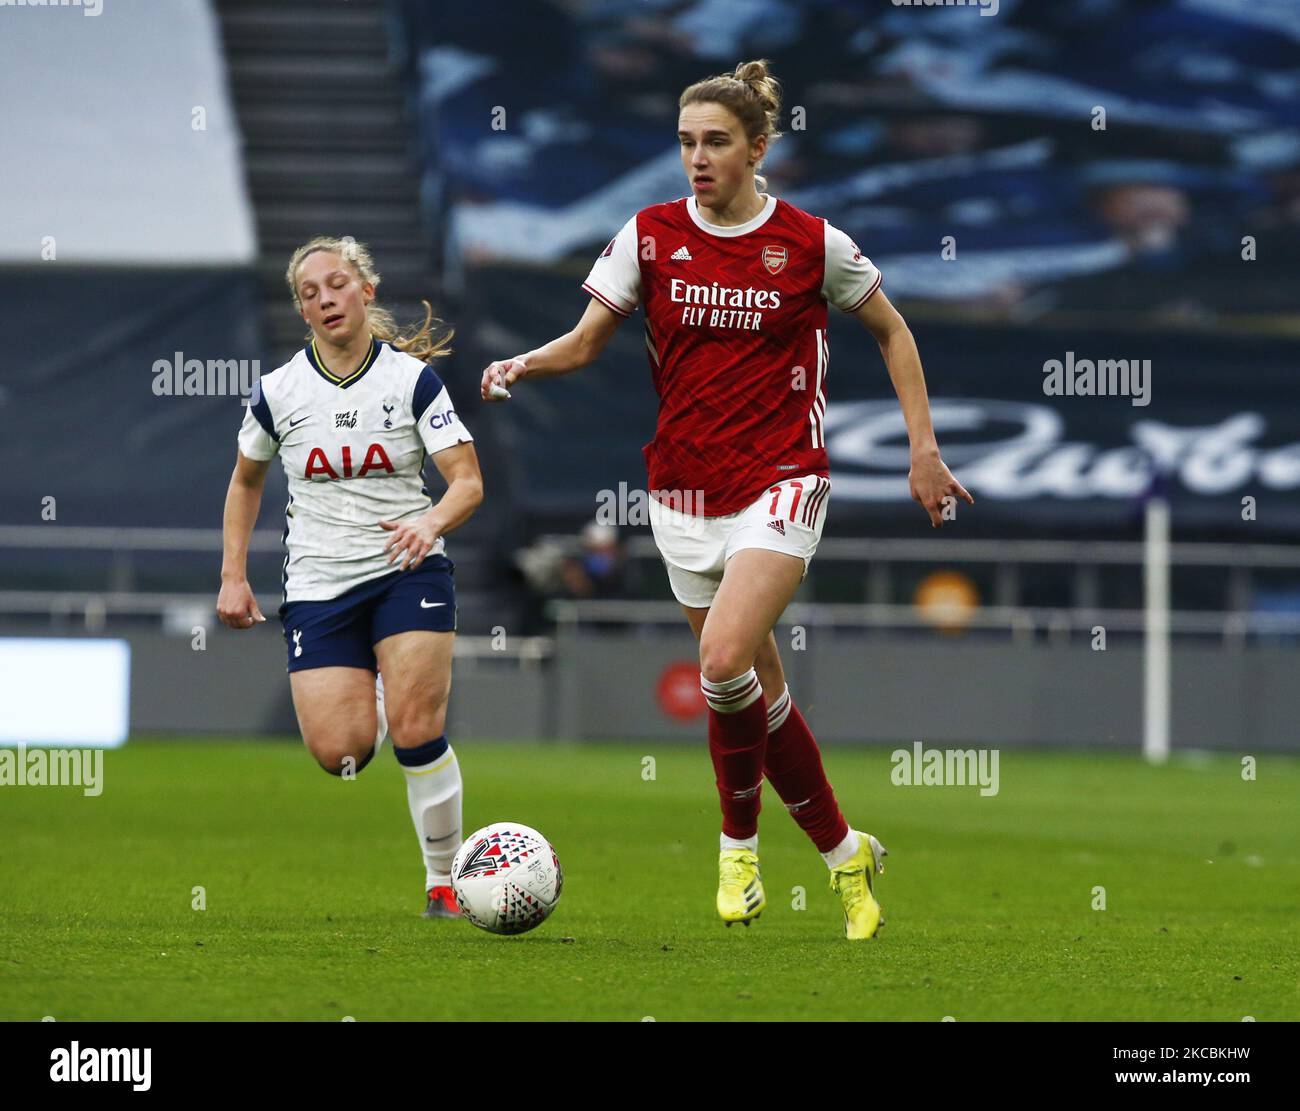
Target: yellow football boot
(740, 887)
(851, 881)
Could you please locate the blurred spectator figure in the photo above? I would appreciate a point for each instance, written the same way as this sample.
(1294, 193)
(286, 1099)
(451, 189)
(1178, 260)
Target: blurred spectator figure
(541, 564)
(1146, 207)
(1147, 216)
(598, 571)
(932, 136)
(592, 564)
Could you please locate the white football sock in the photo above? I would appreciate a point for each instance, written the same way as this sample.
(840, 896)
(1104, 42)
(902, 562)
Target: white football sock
(779, 711)
(750, 843)
(730, 696)
(843, 852)
(380, 716)
(433, 792)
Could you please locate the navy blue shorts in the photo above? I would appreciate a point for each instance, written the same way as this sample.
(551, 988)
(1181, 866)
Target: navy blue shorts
(343, 631)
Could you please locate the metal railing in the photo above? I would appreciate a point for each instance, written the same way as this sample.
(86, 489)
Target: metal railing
(114, 539)
(1083, 558)
(937, 549)
(180, 612)
(1023, 623)
(92, 608)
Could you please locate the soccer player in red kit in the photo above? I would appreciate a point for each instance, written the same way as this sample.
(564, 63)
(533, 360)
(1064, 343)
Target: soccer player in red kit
(735, 284)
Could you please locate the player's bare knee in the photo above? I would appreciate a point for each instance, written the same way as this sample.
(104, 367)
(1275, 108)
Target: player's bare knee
(340, 756)
(417, 724)
(718, 663)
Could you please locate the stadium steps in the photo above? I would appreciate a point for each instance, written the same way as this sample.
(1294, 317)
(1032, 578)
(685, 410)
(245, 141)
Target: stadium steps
(330, 149)
(352, 30)
(355, 176)
(327, 145)
(305, 146)
(264, 90)
(286, 118)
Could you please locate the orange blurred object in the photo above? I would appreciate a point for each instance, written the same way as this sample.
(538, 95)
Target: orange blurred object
(947, 600)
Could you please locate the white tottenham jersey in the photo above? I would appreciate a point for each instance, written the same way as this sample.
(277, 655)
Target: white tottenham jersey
(353, 449)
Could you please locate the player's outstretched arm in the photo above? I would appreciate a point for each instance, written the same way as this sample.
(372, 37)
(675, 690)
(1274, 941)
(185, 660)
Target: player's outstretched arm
(569, 352)
(236, 605)
(930, 480)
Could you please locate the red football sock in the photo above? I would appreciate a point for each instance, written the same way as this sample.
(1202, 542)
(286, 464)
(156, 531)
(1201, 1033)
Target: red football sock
(793, 764)
(737, 742)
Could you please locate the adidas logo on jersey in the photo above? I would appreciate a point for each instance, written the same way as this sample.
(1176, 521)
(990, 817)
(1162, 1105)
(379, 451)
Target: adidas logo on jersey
(779, 525)
(682, 255)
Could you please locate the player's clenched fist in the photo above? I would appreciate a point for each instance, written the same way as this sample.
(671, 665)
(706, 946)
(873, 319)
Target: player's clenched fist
(236, 605)
(500, 376)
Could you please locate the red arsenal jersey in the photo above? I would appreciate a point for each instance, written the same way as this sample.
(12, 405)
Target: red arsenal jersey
(736, 332)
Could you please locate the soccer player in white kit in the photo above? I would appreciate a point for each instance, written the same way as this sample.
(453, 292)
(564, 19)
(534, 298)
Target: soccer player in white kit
(734, 285)
(352, 417)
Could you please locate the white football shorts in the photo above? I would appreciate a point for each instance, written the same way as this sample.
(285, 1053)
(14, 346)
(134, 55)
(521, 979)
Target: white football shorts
(788, 517)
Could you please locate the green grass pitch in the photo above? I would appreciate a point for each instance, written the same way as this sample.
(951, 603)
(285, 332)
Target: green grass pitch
(313, 893)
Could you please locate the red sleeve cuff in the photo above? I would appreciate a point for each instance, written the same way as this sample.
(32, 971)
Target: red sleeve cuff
(867, 296)
(607, 302)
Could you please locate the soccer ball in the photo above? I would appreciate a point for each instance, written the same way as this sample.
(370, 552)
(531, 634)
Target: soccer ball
(507, 878)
